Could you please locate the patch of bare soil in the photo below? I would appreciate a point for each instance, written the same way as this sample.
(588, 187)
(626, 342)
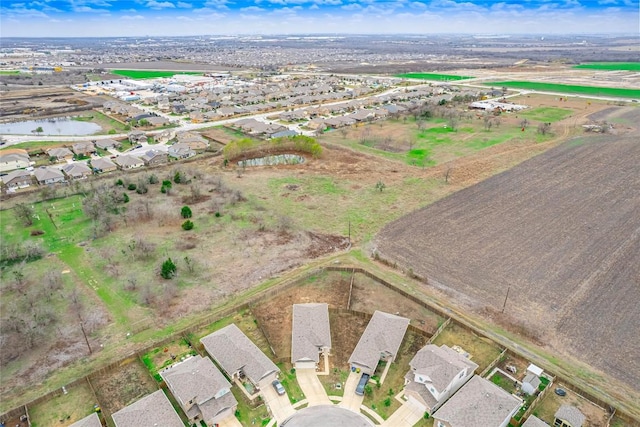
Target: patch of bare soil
(122, 386)
(368, 296)
(346, 330)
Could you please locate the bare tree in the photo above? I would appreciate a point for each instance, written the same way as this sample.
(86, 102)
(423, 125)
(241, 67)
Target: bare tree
(77, 307)
(447, 174)
(544, 128)
(52, 281)
(24, 214)
(524, 123)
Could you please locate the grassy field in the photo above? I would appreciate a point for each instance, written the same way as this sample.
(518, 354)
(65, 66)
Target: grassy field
(9, 72)
(35, 145)
(481, 350)
(573, 89)
(150, 74)
(610, 66)
(64, 409)
(546, 114)
(433, 76)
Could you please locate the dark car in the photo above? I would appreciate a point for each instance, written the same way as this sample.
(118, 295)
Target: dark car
(363, 382)
(277, 385)
(560, 392)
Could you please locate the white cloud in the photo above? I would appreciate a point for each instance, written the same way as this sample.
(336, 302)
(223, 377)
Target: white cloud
(252, 9)
(184, 5)
(153, 4)
(132, 17)
(417, 5)
(351, 6)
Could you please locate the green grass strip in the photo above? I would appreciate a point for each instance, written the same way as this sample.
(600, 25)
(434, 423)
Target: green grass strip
(150, 74)
(581, 90)
(433, 76)
(610, 66)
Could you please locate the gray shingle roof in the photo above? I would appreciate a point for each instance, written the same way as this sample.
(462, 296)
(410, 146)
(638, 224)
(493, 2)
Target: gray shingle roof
(532, 379)
(383, 335)
(91, 421)
(102, 163)
(440, 365)
(59, 152)
(534, 421)
(478, 403)
(196, 378)
(128, 160)
(234, 351)
(571, 415)
(76, 169)
(310, 331)
(153, 410)
(44, 173)
(20, 174)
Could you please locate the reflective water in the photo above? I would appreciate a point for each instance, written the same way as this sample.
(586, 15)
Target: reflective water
(51, 127)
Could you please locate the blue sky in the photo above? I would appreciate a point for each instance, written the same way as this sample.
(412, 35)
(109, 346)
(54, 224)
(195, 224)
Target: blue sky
(71, 18)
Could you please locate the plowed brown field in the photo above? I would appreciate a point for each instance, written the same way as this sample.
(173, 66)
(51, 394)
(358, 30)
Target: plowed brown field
(562, 231)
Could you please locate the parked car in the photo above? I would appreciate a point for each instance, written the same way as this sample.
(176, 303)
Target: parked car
(277, 385)
(363, 382)
(560, 391)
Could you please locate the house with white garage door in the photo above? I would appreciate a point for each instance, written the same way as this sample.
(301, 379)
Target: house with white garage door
(310, 334)
(239, 357)
(436, 373)
(380, 341)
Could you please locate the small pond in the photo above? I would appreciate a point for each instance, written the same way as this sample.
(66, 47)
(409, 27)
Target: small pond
(50, 127)
(280, 159)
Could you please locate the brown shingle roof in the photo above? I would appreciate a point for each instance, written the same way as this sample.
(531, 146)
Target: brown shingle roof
(91, 421)
(571, 415)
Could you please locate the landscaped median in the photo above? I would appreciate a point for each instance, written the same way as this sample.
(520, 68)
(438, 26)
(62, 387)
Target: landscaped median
(575, 89)
(433, 76)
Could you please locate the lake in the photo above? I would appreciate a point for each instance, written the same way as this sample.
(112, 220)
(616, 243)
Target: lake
(50, 127)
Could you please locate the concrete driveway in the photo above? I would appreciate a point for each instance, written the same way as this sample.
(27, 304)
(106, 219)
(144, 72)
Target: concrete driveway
(405, 416)
(312, 387)
(280, 406)
(350, 399)
(230, 421)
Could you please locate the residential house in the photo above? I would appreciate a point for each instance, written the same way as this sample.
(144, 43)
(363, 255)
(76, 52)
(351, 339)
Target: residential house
(77, 170)
(534, 421)
(92, 420)
(128, 162)
(239, 357)
(153, 410)
(46, 175)
(107, 144)
(158, 121)
(310, 335)
(165, 136)
(17, 179)
(154, 157)
(60, 153)
(103, 164)
(380, 341)
(530, 384)
(201, 390)
(478, 403)
(436, 373)
(83, 148)
(181, 151)
(137, 137)
(14, 158)
(568, 416)
(195, 141)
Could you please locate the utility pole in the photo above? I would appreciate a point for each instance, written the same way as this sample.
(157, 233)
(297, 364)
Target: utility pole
(505, 299)
(349, 232)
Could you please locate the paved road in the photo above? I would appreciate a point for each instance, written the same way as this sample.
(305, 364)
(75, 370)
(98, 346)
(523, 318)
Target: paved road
(312, 387)
(406, 416)
(280, 406)
(350, 399)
